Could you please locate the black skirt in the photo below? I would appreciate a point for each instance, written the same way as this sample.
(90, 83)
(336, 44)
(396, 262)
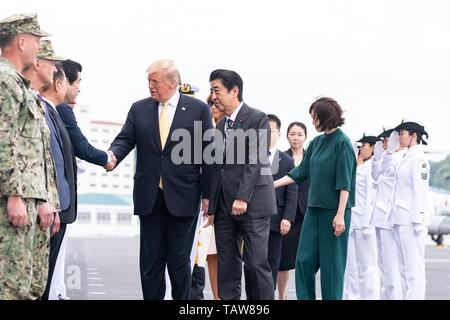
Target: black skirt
(290, 245)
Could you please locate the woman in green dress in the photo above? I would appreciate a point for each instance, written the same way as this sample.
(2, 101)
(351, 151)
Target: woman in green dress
(330, 166)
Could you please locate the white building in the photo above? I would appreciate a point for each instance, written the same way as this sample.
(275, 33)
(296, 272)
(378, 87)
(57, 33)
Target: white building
(105, 205)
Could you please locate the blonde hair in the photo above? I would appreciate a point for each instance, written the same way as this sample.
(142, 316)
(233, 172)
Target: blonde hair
(168, 67)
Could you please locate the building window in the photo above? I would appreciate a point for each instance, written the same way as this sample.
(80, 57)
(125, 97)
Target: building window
(105, 130)
(93, 173)
(94, 130)
(115, 186)
(104, 185)
(126, 186)
(103, 218)
(84, 217)
(127, 176)
(123, 218)
(93, 185)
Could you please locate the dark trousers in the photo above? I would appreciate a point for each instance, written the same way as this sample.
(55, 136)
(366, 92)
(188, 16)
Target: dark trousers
(274, 254)
(165, 240)
(255, 233)
(55, 245)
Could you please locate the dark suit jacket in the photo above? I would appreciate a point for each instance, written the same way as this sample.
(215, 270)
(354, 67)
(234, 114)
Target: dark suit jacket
(245, 181)
(69, 215)
(183, 183)
(302, 197)
(287, 195)
(81, 146)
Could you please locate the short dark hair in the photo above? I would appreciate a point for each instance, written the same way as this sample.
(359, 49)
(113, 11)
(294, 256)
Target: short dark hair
(275, 119)
(419, 135)
(6, 39)
(298, 124)
(329, 113)
(59, 73)
(71, 69)
(229, 79)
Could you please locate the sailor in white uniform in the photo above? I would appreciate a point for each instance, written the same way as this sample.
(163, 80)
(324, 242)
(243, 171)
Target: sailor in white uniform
(362, 280)
(387, 155)
(410, 210)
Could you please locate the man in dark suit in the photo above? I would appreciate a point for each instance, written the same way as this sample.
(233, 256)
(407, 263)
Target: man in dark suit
(65, 164)
(167, 191)
(81, 146)
(82, 149)
(242, 196)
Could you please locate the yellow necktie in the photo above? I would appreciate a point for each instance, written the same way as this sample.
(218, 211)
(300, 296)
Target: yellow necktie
(163, 129)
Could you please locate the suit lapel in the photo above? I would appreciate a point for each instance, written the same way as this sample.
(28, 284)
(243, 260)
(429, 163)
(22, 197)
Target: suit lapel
(277, 165)
(154, 118)
(241, 117)
(180, 113)
(239, 123)
(53, 116)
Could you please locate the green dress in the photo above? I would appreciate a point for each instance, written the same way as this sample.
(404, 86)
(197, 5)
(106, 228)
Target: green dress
(330, 166)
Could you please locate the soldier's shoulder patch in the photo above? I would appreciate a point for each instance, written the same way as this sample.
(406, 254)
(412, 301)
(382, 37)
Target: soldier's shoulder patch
(424, 165)
(424, 175)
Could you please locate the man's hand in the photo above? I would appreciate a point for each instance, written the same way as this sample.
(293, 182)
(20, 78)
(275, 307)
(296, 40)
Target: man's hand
(112, 163)
(205, 206)
(239, 207)
(17, 211)
(285, 226)
(45, 213)
(56, 225)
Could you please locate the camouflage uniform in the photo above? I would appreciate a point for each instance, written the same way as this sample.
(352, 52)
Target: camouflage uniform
(26, 170)
(41, 242)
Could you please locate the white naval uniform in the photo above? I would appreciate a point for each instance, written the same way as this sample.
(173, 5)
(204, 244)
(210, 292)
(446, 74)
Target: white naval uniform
(383, 171)
(410, 214)
(362, 280)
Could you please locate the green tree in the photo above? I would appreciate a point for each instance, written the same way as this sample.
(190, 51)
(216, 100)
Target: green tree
(440, 174)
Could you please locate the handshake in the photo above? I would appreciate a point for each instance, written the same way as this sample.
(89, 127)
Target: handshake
(112, 161)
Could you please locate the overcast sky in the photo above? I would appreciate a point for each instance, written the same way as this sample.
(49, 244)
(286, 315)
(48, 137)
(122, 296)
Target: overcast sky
(381, 60)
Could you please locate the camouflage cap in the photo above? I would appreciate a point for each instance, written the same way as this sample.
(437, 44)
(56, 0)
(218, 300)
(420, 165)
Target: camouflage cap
(22, 23)
(46, 51)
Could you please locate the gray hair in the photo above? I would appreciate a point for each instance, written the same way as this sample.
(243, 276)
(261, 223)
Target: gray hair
(168, 67)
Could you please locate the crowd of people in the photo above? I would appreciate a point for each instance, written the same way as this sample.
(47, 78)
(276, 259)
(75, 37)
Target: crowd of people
(358, 212)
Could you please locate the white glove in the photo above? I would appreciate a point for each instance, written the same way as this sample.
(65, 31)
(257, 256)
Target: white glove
(393, 142)
(378, 150)
(419, 228)
(356, 149)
